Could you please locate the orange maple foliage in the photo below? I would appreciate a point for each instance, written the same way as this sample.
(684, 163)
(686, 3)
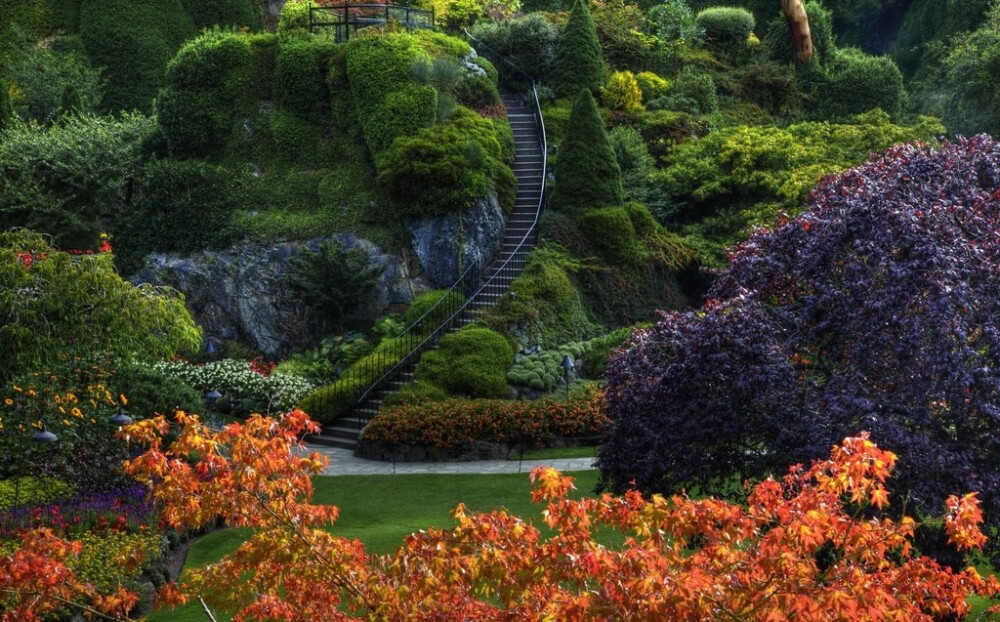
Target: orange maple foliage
(807, 547)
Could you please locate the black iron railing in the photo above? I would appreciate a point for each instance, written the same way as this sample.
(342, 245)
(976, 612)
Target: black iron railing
(366, 380)
(345, 19)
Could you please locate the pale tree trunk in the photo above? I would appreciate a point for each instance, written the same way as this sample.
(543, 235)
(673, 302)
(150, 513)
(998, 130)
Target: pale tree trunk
(798, 23)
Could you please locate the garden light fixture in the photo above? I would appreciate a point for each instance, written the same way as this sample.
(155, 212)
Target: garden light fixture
(211, 397)
(120, 418)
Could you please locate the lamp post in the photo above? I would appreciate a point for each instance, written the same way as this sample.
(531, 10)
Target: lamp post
(568, 366)
(211, 397)
(42, 437)
(120, 418)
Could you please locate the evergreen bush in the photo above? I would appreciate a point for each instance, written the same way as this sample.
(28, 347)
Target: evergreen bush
(179, 206)
(610, 231)
(150, 391)
(529, 42)
(42, 76)
(727, 30)
(586, 172)
(855, 83)
(651, 85)
(420, 309)
(634, 161)
(622, 93)
(693, 92)
(300, 71)
(234, 13)
(578, 61)
(471, 362)
(132, 41)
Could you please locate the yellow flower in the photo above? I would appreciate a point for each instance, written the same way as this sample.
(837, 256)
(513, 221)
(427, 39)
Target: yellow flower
(18, 389)
(8, 402)
(62, 410)
(32, 393)
(123, 399)
(66, 422)
(76, 412)
(71, 397)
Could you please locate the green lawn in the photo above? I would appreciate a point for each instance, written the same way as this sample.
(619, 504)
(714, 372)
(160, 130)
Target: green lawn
(380, 510)
(581, 451)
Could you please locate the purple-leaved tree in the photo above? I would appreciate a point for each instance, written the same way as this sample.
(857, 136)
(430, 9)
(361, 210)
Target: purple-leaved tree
(876, 309)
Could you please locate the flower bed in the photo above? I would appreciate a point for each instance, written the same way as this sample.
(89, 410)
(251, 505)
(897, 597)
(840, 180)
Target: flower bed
(457, 429)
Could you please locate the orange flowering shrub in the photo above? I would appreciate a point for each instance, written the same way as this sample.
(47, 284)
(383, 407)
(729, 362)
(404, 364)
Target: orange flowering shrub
(810, 546)
(452, 423)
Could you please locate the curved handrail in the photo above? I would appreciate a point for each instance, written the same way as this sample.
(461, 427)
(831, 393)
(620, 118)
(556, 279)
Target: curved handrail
(510, 268)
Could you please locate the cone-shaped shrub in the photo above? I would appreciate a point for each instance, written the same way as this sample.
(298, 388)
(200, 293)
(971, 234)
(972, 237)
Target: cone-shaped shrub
(578, 64)
(586, 171)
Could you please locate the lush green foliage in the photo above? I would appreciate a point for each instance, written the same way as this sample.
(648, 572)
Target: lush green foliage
(31, 490)
(692, 92)
(236, 13)
(208, 89)
(529, 42)
(961, 89)
(586, 172)
(80, 309)
(132, 40)
(64, 179)
(153, 391)
(651, 85)
(727, 30)
(578, 63)
(455, 423)
(741, 176)
(327, 403)
(673, 21)
(856, 82)
(100, 561)
(634, 160)
(420, 309)
(622, 92)
(40, 76)
(543, 370)
(332, 280)
(447, 167)
(874, 309)
(611, 233)
(471, 362)
(300, 71)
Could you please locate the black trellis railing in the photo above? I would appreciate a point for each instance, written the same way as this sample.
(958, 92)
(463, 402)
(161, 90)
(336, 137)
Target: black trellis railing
(478, 287)
(345, 19)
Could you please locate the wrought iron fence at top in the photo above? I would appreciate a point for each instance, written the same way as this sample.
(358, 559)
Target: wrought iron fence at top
(344, 19)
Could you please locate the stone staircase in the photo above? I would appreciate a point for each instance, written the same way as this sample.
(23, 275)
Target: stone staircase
(518, 240)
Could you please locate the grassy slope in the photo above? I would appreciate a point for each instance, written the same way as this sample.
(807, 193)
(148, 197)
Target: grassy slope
(381, 510)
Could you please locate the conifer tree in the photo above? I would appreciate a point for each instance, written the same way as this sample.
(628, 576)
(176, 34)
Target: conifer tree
(70, 101)
(586, 171)
(578, 63)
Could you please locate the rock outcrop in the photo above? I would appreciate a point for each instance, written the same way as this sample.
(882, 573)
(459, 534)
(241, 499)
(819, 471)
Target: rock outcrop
(239, 293)
(447, 245)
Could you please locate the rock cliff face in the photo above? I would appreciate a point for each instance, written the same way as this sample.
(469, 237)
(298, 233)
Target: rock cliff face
(447, 245)
(238, 293)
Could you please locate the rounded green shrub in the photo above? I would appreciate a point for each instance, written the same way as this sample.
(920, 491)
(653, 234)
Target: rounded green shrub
(857, 82)
(726, 29)
(651, 85)
(150, 391)
(621, 92)
(294, 17)
(471, 362)
(132, 41)
(299, 140)
(529, 42)
(693, 93)
(415, 393)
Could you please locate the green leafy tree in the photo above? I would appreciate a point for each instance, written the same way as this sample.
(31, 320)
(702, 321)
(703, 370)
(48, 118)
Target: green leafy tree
(586, 171)
(42, 75)
(56, 308)
(6, 107)
(65, 179)
(578, 62)
(332, 280)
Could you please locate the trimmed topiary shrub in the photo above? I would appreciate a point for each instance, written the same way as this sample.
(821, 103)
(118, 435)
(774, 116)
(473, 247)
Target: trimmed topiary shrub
(300, 71)
(132, 41)
(856, 83)
(210, 86)
(727, 30)
(235, 13)
(578, 62)
(622, 92)
(586, 172)
(472, 362)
